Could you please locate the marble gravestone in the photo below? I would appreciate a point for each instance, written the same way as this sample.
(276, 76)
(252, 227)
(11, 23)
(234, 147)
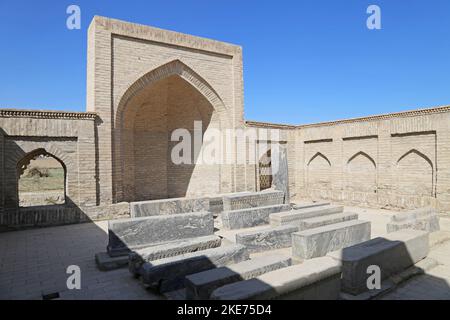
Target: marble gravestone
(280, 175)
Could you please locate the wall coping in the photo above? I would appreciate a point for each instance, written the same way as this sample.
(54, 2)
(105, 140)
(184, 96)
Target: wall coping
(169, 37)
(52, 114)
(402, 114)
(47, 114)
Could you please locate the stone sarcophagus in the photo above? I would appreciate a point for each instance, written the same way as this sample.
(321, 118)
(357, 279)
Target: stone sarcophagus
(425, 219)
(253, 199)
(129, 234)
(168, 206)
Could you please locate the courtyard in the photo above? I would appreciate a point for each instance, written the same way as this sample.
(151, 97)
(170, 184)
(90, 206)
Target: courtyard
(33, 263)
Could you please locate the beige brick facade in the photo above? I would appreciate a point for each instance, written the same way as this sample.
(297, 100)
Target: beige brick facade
(143, 83)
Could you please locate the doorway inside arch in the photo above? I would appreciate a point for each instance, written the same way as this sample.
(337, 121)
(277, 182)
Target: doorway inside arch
(41, 180)
(147, 169)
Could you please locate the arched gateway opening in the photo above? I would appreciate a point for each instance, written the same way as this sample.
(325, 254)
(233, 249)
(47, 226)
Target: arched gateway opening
(41, 179)
(169, 98)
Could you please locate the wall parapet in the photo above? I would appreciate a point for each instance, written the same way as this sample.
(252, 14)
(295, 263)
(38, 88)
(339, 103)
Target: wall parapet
(44, 114)
(402, 114)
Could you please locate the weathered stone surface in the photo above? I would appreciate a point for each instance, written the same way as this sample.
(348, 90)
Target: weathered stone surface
(129, 234)
(316, 279)
(216, 201)
(201, 285)
(168, 274)
(253, 199)
(318, 242)
(426, 219)
(267, 239)
(251, 217)
(280, 174)
(105, 262)
(295, 216)
(392, 253)
(168, 206)
(304, 205)
(316, 222)
(170, 249)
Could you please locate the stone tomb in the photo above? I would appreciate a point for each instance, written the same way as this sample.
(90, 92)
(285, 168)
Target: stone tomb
(318, 242)
(253, 199)
(168, 274)
(138, 257)
(426, 219)
(168, 206)
(269, 238)
(134, 233)
(201, 285)
(315, 279)
(250, 217)
(297, 215)
(392, 253)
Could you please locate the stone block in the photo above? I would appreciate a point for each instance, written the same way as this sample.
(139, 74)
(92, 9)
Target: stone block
(253, 199)
(294, 216)
(168, 274)
(216, 202)
(425, 219)
(304, 205)
(126, 235)
(316, 222)
(170, 249)
(318, 242)
(315, 279)
(251, 217)
(168, 206)
(201, 285)
(267, 239)
(105, 262)
(393, 253)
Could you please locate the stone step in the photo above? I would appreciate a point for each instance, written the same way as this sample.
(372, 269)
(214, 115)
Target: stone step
(126, 235)
(168, 274)
(392, 253)
(319, 241)
(250, 217)
(201, 285)
(267, 239)
(138, 257)
(320, 221)
(105, 262)
(294, 216)
(315, 279)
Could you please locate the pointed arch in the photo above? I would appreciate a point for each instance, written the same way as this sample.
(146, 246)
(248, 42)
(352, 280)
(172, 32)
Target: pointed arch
(174, 81)
(415, 174)
(25, 160)
(417, 152)
(320, 155)
(363, 154)
(174, 67)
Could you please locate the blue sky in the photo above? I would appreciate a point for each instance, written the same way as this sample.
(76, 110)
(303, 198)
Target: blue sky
(304, 61)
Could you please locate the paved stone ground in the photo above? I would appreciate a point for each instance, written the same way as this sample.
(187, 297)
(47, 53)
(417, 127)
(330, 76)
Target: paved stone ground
(34, 262)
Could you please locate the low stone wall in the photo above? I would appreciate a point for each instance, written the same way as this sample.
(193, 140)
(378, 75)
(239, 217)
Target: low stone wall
(55, 215)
